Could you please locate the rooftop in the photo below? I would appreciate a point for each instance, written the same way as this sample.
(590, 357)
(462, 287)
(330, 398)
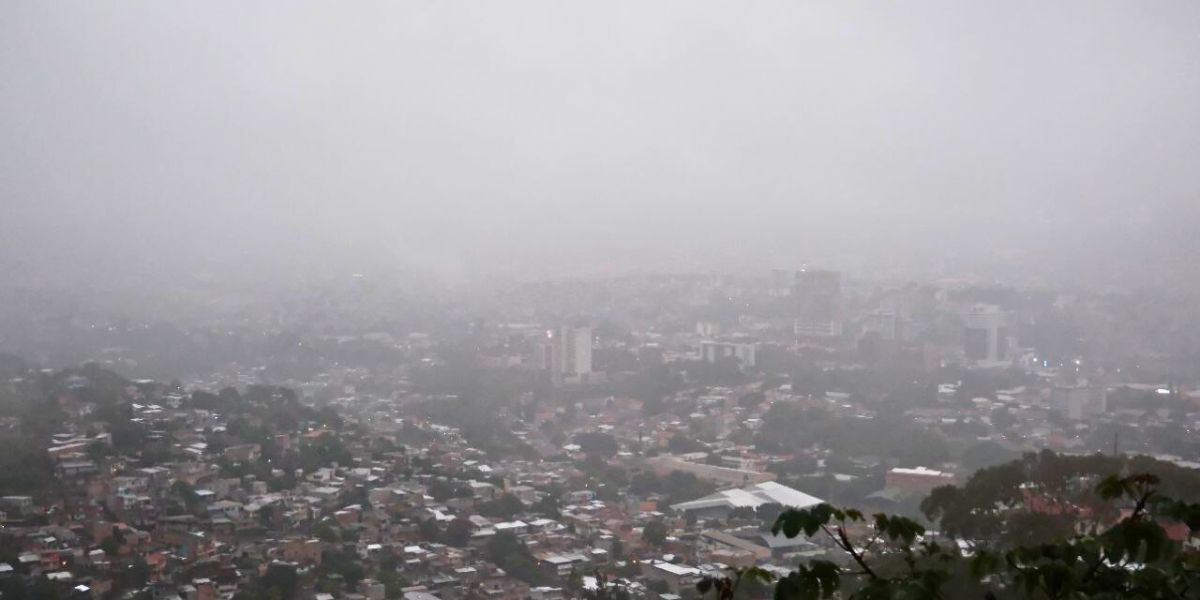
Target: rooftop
(767, 492)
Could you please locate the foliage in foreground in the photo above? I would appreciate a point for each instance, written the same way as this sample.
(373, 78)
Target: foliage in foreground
(890, 557)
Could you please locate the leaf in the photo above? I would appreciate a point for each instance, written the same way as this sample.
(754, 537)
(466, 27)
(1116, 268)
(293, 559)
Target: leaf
(758, 574)
(1111, 488)
(984, 563)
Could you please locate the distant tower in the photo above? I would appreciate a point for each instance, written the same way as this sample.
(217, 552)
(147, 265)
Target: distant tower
(744, 352)
(568, 354)
(818, 300)
(986, 334)
(883, 322)
(578, 348)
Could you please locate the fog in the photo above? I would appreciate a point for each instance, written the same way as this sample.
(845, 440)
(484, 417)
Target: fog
(519, 139)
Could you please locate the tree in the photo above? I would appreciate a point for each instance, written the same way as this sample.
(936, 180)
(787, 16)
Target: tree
(606, 590)
(510, 554)
(598, 443)
(548, 506)
(24, 467)
(44, 589)
(986, 454)
(574, 583)
(658, 586)
(801, 464)
(133, 574)
(266, 515)
(896, 558)
(1002, 418)
(14, 588)
(982, 510)
(742, 584)
(113, 543)
(655, 533)
(504, 507)
(751, 400)
(186, 494)
(768, 513)
(444, 489)
(617, 553)
(327, 533)
(281, 577)
(429, 530)
(458, 533)
(337, 562)
(393, 583)
(682, 444)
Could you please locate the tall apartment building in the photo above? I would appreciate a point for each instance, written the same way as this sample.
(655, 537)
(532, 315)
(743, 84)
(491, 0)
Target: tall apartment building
(573, 351)
(986, 336)
(566, 352)
(817, 296)
(745, 352)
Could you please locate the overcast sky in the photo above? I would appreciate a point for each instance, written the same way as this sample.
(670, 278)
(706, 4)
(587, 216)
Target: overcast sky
(569, 137)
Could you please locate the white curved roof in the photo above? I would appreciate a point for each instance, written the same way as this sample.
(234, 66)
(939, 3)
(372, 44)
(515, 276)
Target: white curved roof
(767, 492)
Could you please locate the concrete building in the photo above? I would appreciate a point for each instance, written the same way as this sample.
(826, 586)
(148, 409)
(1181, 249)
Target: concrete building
(566, 352)
(757, 552)
(712, 351)
(679, 578)
(708, 328)
(574, 350)
(987, 336)
(918, 480)
(663, 465)
(883, 322)
(817, 296)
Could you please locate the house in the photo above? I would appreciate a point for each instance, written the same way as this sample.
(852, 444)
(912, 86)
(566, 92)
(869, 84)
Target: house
(561, 565)
(302, 551)
(916, 481)
(663, 465)
(732, 542)
(679, 578)
(77, 468)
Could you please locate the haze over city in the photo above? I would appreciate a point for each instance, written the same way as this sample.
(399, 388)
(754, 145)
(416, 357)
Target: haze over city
(538, 139)
(681, 300)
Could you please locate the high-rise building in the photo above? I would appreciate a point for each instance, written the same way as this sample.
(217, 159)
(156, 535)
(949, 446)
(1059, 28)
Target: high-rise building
(708, 328)
(575, 350)
(986, 336)
(712, 351)
(566, 352)
(883, 322)
(818, 298)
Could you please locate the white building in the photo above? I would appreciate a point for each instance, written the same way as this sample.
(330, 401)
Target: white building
(566, 352)
(573, 350)
(987, 338)
(722, 503)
